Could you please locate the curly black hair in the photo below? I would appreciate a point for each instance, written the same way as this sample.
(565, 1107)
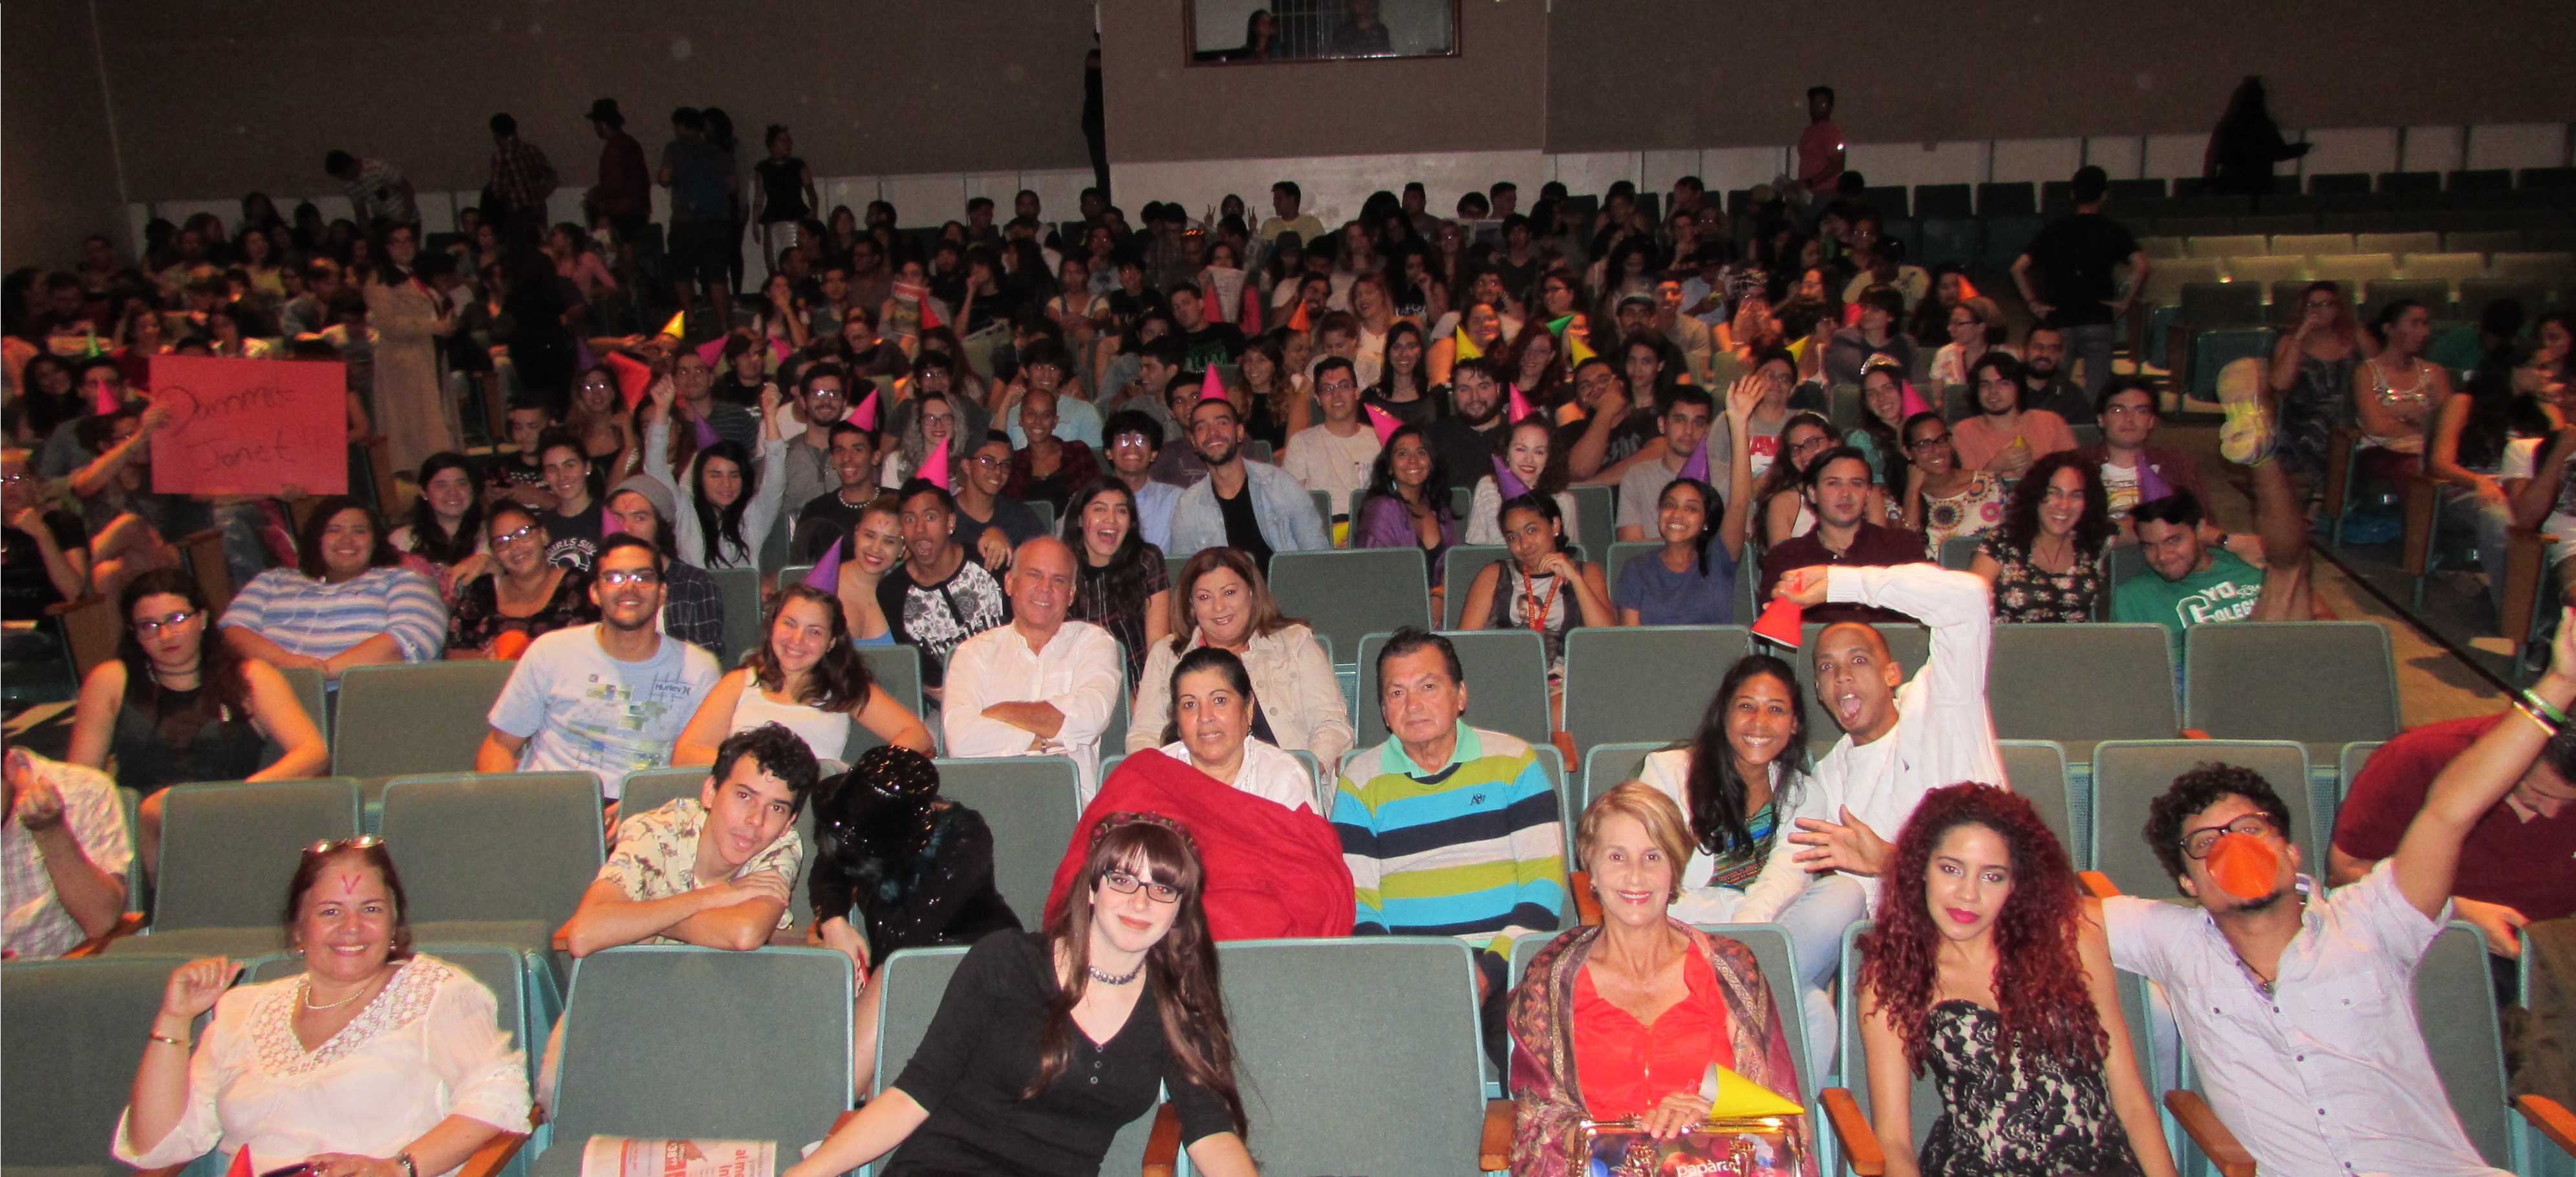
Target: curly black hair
(2208, 783)
(2093, 528)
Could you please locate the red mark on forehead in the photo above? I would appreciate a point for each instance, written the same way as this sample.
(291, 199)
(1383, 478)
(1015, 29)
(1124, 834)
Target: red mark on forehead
(349, 883)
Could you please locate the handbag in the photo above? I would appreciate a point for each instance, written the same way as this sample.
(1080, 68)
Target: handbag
(1750, 1132)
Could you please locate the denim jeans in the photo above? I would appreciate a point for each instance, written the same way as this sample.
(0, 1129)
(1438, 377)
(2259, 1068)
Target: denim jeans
(2091, 343)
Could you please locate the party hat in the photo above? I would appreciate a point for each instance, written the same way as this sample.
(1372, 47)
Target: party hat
(634, 378)
(1909, 401)
(1382, 421)
(678, 327)
(1520, 406)
(706, 432)
(511, 644)
(1783, 621)
(929, 312)
(111, 397)
(610, 524)
(1250, 320)
(1577, 351)
(1466, 348)
(935, 468)
(1739, 1098)
(241, 1166)
(826, 573)
(2151, 485)
(2243, 865)
(1298, 321)
(1557, 325)
(1212, 386)
(1507, 482)
(712, 351)
(1697, 466)
(865, 416)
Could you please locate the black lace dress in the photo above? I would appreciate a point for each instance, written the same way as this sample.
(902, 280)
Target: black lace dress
(2037, 1118)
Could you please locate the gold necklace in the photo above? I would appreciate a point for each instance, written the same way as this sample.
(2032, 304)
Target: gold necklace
(308, 995)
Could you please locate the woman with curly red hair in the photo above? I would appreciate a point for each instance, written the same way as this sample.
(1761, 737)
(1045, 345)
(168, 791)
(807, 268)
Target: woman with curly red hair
(1988, 964)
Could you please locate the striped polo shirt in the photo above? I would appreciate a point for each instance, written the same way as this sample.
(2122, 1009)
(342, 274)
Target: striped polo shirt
(1471, 849)
(317, 619)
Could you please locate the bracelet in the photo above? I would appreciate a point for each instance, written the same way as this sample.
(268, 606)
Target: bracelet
(2557, 717)
(181, 1043)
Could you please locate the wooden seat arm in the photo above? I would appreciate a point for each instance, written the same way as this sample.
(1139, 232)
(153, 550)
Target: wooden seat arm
(2526, 568)
(1163, 1145)
(126, 925)
(2193, 733)
(842, 1121)
(2097, 884)
(1494, 1149)
(2205, 1130)
(1860, 1142)
(1587, 906)
(495, 1155)
(2552, 1118)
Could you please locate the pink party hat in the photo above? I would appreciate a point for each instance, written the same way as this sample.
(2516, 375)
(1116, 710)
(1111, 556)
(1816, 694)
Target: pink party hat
(110, 398)
(865, 416)
(2151, 485)
(1382, 421)
(712, 351)
(1520, 406)
(1910, 402)
(826, 573)
(935, 468)
(1507, 482)
(1697, 466)
(1211, 386)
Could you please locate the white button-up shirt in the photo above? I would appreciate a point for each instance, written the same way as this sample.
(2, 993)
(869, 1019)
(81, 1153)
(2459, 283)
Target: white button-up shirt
(2329, 1074)
(1266, 772)
(1080, 673)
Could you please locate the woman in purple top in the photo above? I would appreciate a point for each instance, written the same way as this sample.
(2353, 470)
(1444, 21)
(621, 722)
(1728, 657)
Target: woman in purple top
(1408, 501)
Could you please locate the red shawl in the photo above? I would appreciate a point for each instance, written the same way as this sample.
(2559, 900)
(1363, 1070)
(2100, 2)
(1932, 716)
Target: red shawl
(1272, 871)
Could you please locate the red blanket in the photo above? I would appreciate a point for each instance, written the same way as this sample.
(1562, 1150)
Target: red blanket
(1272, 871)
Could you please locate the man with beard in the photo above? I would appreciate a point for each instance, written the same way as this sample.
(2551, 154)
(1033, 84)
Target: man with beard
(1464, 438)
(2043, 372)
(1253, 506)
(1837, 490)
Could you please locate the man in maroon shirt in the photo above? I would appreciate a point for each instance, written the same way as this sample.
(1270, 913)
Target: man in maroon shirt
(1820, 149)
(625, 189)
(1837, 489)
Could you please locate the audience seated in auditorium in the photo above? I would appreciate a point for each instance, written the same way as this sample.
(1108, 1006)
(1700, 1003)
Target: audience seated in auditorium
(1879, 333)
(1222, 601)
(874, 545)
(2127, 453)
(1210, 727)
(1838, 490)
(1780, 499)
(2045, 562)
(1253, 506)
(1407, 502)
(131, 529)
(2191, 581)
(1134, 442)
(1049, 469)
(692, 608)
(2067, 274)
(1546, 586)
(832, 516)
(606, 698)
(807, 677)
(808, 469)
(1989, 966)
(2006, 434)
(1684, 426)
(1040, 683)
(898, 866)
(2465, 451)
(1527, 449)
(522, 597)
(575, 521)
(2396, 391)
(1943, 499)
(927, 422)
(1400, 390)
(1626, 1018)
(1125, 585)
(941, 598)
(1132, 942)
(445, 532)
(1880, 432)
(1334, 455)
(65, 854)
(515, 475)
(48, 549)
(420, 1074)
(1975, 325)
(2311, 376)
(2044, 381)
(1449, 829)
(347, 602)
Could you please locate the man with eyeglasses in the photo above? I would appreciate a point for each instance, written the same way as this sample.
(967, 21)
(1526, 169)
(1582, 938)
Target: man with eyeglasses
(1333, 455)
(822, 401)
(606, 698)
(987, 524)
(2296, 1002)
(2126, 455)
(1134, 443)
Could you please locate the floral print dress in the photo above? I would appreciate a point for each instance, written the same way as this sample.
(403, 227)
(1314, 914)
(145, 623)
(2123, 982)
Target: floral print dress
(2024, 591)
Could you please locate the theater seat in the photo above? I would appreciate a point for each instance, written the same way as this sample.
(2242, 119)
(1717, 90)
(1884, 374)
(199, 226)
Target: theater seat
(2129, 774)
(1649, 682)
(739, 590)
(75, 1030)
(2323, 683)
(1031, 803)
(2081, 684)
(500, 858)
(2036, 769)
(652, 788)
(419, 717)
(1348, 595)
(227, 853)
(1458, 574)
(766, 1035)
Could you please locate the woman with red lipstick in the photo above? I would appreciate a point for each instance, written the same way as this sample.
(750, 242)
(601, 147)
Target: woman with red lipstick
(174, 707)
(1989, 966)
(2045, 562)
(1624, 1019)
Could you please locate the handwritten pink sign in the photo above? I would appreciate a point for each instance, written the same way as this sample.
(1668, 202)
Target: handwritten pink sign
(254, 427)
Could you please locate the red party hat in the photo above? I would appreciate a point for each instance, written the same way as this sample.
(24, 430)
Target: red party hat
(1520, 406)
(865, 416)
(241, 1166)
(1783, 621)
(1298, 320)
(634, 378)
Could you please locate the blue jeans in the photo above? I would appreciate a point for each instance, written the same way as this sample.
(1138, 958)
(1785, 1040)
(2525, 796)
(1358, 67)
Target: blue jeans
(2490, 522)
(2091, 343)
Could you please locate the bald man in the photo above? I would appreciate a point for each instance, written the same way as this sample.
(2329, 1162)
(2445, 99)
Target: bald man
(1042, 684)
(1900, 739)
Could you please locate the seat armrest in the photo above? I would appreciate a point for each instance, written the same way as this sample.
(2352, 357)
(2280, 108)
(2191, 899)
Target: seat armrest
(2097, 884)
(495, 1155)
(1163, 1145)
(1494, 1151)
(842, 1121)
(2552, 1118)
(1564, 742)
(126, 925)
(2205, 1130)
(2193, 733)
(1860, 1141)
(1587, 906)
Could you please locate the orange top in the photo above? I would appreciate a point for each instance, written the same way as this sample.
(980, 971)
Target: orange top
(1627, 1067)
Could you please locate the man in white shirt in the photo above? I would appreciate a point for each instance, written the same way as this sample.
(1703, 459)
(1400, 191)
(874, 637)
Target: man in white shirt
(1041, 684)
(64, 855)
(1336, 454)
(2296, 1003)
(606, 698)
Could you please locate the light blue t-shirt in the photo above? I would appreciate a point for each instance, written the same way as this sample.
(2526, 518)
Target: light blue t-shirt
(583, 711)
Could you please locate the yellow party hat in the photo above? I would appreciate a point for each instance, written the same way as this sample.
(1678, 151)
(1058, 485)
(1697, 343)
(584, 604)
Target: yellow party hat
(678, 327)
(1576, 350)
(1739, 1098)
(1467, 349)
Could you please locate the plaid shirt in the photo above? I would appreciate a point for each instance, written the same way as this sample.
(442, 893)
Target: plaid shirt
(521, 176)
(35, 926)
(692, 609)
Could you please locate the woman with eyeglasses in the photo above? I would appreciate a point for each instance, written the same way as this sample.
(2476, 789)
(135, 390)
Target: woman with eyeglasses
(1030, 1066)
(174, 707)
(1786, 514)
(522, 598)
(1941, 499)
(807, 677)
(347, 602)
(373, 1061)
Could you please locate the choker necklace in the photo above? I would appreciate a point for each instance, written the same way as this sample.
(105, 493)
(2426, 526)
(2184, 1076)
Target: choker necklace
(1106, 979)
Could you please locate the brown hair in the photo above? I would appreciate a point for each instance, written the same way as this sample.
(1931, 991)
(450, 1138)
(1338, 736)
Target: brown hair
(1266, 618)
(370, 851)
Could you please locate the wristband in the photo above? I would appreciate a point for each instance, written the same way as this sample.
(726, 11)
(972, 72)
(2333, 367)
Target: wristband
(2532, 699)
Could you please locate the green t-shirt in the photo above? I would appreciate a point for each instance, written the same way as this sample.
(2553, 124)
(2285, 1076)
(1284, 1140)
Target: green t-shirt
(2226, 591)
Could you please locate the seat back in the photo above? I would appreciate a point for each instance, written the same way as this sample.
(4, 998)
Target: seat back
(1031, 804)
(2357, 267)
(2128, 775)
(2126, 692)
(1348, 595)
(1458, 572)
(2338, 183)
(75, 1033)
(1647, 682)
(2312, 243)
(2229, 245)
(228, 850)
(738, 589)
(417, 717)
(2434, 293)
(2232, 685)
(2453, 992)
(2553, 267)
(2036, 769)
(310, 691)
(2349, 763)
(1506, 677)
(494, 846)
(1910, 644)
(769, 1029)
(1607, 766)
(2449, 266)
(1959, 551)
(1595, 516)
(1316, 1089)
(2396, 243)
(2166, 279)
(2259, 270)
(897, 670)
(1622, 553)
(1942, 200)
(2222, 304)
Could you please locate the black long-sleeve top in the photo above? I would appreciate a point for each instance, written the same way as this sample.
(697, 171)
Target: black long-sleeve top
(982, 1050)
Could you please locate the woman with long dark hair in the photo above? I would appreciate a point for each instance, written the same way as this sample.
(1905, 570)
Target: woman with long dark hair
(523, 597)
(2045, 562)
(174, 707)
(2311, 376)
(995, 1073)
(1990, 965)
(1685, 583)
(806, 675)
(2396, 392)
(1544, 587)
(1400, 388)
(1535, 364)
(1782, 497)
(446, 524)
(1123, 585)
(2468, 436)
(1407, 504)
(410, 317)
(1529, 451)
(1222, 601)
(347, 602)
(728, 506)
(1880, 434)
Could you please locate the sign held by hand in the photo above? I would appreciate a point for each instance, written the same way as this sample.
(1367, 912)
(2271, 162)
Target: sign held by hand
(250, 427)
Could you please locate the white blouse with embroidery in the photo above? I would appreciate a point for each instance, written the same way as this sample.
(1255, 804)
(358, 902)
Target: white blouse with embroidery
(429, 1046)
